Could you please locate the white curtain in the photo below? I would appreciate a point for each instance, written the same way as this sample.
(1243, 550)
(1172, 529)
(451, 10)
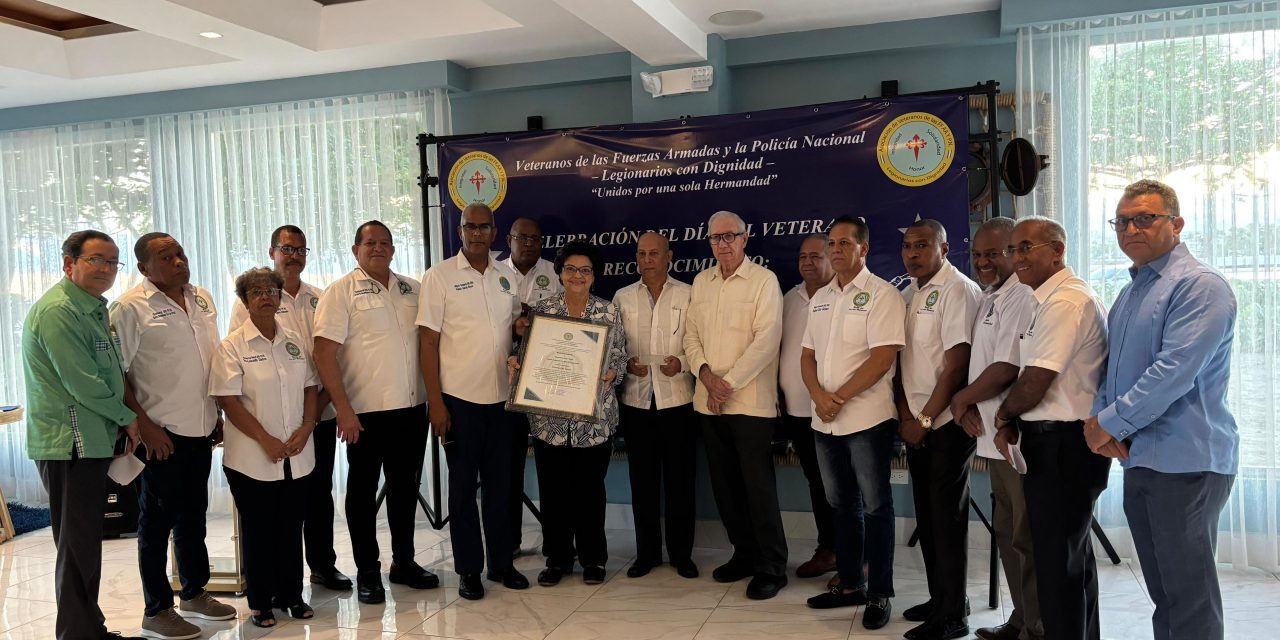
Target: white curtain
(220, 182)
(1192, 98)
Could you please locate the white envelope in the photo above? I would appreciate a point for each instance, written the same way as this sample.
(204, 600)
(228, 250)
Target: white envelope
(125, 468)
(1019, 462)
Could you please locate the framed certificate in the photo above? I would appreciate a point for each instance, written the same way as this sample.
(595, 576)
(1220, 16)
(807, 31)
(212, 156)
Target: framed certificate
(562, 360)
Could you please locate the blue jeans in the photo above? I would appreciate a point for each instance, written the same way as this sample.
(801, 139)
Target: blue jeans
(855, 473)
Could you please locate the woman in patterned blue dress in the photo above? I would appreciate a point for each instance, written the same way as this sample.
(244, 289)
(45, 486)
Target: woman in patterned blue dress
(572, 456)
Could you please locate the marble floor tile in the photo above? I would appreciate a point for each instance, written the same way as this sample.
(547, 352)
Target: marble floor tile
(745, 623)
(671, 624)
(502, 616)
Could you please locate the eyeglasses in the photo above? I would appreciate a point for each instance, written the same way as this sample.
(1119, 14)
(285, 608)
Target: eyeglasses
(724, 238)
(471, 227)
(99, 262)
(524, 239)
(290, 250)
(577, 271)
(1024, 248)
(990, 254)
(1141, 221)
(258, 293)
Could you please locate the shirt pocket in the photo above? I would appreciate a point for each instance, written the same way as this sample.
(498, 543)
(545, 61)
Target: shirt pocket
(741, 316)
(854, 330)
(371, 312)
(678, 317)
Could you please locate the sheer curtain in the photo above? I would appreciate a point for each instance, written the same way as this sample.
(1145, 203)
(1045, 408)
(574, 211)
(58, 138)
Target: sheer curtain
(218, 181)
(1189, 97)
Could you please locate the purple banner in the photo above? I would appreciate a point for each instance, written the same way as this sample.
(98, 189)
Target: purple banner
(787, 172)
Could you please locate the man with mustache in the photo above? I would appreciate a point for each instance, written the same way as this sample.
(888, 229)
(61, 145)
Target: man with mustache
(168, 332)
(298, 301)
(993, 366)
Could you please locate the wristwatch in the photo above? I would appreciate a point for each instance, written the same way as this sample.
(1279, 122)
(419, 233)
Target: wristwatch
(926, 422)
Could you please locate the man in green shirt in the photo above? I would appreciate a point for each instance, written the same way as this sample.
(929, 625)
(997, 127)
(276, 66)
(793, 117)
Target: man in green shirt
(75, 414)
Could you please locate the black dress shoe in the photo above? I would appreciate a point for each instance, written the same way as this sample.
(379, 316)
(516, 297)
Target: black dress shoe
(876, 614)
(686, 569)
(639, 569)
(369, 587)
(945, 630)
(765, 586)
(510, 579)
(331, 579)
(731, 572)
(922, 611)
(470, 587)
(593, 575)
(551, 576)
(837, 597)
(413, 576)
(1005, 631)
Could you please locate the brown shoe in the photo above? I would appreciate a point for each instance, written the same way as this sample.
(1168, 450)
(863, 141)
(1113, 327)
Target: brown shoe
(823, 561)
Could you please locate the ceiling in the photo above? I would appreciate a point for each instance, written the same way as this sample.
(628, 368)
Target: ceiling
(59, 50)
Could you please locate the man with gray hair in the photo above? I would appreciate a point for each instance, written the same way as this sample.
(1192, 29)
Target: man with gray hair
(1061, 356)
(1162, 410)
(731, 344)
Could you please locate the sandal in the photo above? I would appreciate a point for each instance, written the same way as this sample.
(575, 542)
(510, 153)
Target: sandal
(301, 611)
(263, 619)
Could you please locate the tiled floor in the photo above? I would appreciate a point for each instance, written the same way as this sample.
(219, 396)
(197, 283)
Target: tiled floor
(659, 606)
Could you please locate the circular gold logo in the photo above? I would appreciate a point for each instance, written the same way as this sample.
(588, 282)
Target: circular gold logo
(478, 177)
(916, 149)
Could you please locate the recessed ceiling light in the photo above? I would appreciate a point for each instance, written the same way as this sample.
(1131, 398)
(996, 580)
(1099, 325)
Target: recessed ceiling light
(212, 35)
(736, 18)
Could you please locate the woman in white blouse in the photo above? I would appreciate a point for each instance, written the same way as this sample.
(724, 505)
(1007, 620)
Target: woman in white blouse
(263, 379)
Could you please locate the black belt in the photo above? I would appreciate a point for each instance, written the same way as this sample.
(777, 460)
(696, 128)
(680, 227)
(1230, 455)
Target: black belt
(1049, 426)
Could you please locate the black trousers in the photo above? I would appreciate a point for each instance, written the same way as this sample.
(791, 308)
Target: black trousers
(800, 432)
(392, 444)
(76, 489)
(519, 425)
(940, 487)
(478, 450)
(270, 536)
(318, 519)
(661, 459)
(572, 498)
(1063, 480)
(746, 492)
(174, 500)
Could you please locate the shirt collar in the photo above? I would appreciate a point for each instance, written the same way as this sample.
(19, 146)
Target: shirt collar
(464, 264)
(1046, 289)
(1159, 265)
(859, 281)
(368, 278)
(743, 270)
(939, 279)
(252, 333)
(83, 300)
(151, 289)
(1009, 284)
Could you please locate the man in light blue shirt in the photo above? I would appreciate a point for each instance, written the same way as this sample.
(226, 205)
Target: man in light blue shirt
(1161, 409)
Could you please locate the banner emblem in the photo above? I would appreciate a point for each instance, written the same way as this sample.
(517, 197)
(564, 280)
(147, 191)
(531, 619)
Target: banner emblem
(916, 149)
(478, 177)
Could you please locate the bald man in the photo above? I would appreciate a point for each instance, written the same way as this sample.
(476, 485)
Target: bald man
(657, 413)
